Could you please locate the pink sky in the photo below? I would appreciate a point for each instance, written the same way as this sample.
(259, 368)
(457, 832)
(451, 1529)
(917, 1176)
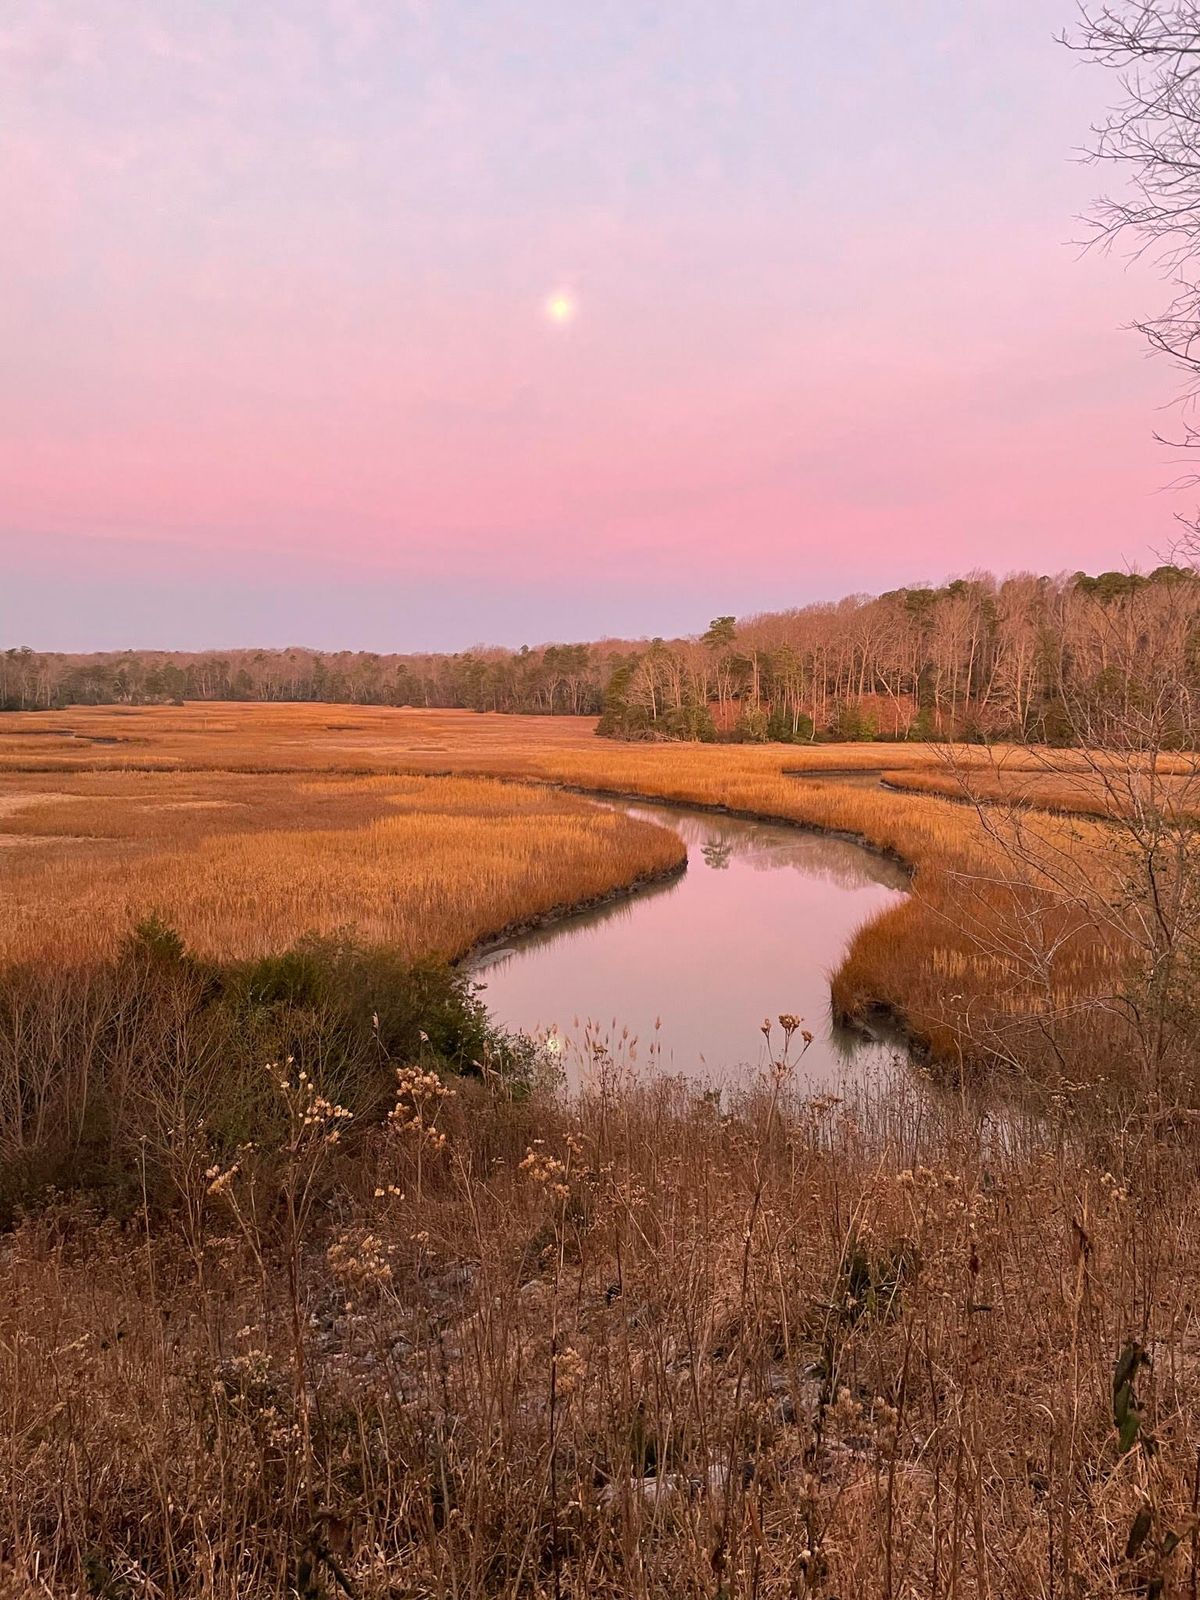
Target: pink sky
(276, 360)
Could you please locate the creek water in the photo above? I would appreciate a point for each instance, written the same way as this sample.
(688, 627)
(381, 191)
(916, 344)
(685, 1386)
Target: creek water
(680, 976)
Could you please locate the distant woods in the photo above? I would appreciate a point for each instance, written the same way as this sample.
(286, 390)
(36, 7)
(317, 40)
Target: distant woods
(975, 659)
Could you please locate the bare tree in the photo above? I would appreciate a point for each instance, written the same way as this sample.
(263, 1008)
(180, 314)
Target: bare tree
(1152, 136)
(1126, 884)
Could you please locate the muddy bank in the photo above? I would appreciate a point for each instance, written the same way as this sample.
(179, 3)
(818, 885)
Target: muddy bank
(565, 913)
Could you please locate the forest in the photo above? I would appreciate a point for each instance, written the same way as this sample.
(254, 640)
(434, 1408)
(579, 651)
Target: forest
(977, 659)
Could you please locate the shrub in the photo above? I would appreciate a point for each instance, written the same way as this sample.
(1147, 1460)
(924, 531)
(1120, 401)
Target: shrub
(101, 1067)
(783, 728)
(853, 724)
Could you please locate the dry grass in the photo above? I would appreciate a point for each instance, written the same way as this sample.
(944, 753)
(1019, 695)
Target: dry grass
(240, 864)
(944, 962)
(265, 738)
(640, 1347)
(1045, 788)
(637, 1345)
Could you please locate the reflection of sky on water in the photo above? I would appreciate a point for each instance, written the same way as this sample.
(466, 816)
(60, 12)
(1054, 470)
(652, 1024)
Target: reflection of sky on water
(765, 848)
(683, 975)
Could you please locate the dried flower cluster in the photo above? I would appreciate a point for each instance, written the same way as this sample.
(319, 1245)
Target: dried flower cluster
(420, 1096)
(544, 1168)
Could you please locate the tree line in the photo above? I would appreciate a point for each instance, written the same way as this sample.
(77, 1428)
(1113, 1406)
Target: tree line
(978, 658)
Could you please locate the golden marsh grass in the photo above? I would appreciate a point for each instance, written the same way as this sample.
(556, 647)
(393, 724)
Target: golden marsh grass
(500, 1345)
(214, 777)
(241, 866)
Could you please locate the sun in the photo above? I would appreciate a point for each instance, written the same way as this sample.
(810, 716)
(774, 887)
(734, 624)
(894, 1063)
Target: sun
(560, 307)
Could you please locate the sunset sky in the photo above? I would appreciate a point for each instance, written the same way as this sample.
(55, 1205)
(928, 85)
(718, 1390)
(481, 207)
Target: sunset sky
(407, 324)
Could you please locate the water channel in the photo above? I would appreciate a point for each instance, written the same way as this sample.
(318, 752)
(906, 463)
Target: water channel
(680, 976)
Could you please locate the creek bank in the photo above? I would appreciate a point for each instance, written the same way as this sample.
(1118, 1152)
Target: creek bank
(883, 1022)
(875, 1021)
(1011, 804)
(743, 814)
(556, 915)
(712, 808)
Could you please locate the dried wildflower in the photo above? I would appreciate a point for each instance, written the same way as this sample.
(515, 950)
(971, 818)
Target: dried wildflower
(545, 1169)
(569, 1371)
(419, 1098)
(311, 1114)
(220, 1183)
(360, 1262)
(846, 1412)
(885, 1420)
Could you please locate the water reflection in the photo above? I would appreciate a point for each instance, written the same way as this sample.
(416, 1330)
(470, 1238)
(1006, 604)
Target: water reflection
(682, 975)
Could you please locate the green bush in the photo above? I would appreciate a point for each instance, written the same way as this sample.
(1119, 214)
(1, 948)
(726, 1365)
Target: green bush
(853, 724)
(752, 726)
(101, 1067)
(691, 721)
(782, 728)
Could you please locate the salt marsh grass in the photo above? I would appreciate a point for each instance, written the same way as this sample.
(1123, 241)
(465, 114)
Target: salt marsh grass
(204, 814)
(276, 1341)
(242, 864)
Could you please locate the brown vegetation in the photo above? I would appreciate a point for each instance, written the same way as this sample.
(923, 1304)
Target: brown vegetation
(647, 1346)
(946, 962)
(496, 1344)
(1048, 785)
(1005, 657)
(240, 865)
